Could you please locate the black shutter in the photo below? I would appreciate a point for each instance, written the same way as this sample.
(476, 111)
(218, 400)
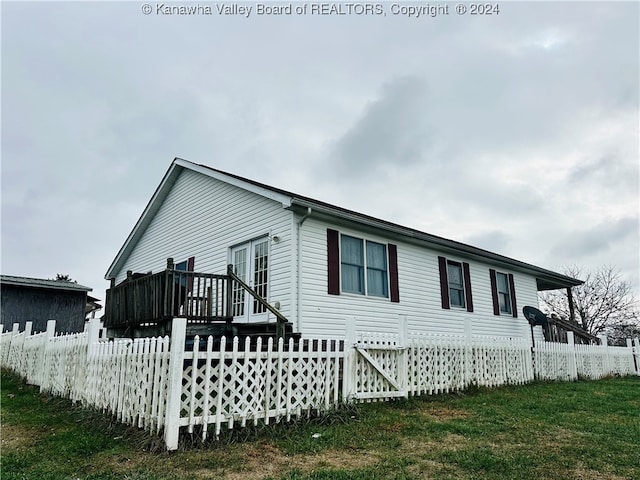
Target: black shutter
(494, 292)
(444, 282)
(512, 289)
(467, 286)
(393, 273)
(333, 262)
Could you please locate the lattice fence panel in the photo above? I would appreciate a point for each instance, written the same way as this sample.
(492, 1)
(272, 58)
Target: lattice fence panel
(257, 381)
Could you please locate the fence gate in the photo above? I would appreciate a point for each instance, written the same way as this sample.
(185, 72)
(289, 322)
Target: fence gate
(380, 370)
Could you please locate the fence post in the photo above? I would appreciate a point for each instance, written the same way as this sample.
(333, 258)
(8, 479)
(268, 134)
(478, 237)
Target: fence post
(468, 352)
(636, 354)
(348, 380)
(403, 341)
(93, 335)
(50, 333)
(573, 364)
(174, 387)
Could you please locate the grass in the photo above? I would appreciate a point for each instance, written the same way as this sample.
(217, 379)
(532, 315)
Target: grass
(581, 430)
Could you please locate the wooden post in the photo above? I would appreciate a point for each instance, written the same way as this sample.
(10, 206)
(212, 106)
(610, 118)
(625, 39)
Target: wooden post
(209, 302)
(572, 311)
(28, 328)
(174, 388)
(229, 309)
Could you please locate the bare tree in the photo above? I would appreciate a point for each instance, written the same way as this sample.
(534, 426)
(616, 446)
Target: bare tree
(64, 277)
(605, 300)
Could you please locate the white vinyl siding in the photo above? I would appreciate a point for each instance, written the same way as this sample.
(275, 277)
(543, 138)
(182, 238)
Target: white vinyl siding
(419, 285)
(204, 217)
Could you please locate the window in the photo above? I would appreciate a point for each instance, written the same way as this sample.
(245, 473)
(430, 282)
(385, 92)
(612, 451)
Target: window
(455, 284)
(503, 292)
(504, 295)
(352, 265)
(363, 267)
(360, 257)
(377, 277)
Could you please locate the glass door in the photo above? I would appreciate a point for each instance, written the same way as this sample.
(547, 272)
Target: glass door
(251, 264)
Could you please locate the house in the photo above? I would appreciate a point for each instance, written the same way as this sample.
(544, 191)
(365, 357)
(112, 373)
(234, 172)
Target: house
(38, 300)
(320, 266)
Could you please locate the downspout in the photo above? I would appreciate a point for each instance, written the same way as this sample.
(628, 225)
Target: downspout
(299, 268)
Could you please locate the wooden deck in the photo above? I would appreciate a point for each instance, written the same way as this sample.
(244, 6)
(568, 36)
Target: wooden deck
(144, 304)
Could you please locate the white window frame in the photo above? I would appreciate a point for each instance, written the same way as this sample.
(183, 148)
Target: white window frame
(506, 293)
(462, 285)
(365, 268)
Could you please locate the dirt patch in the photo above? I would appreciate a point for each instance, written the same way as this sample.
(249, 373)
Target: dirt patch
(451, 442)
(265, 460)
(18, 438)
(582, 473)
(443, 413)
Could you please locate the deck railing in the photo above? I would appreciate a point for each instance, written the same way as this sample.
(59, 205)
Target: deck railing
(152, 299)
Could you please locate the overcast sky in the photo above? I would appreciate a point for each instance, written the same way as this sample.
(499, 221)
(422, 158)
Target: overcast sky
(516, 132)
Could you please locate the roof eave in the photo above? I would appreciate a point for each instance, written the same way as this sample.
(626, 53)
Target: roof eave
(550, 280)
(43, 283)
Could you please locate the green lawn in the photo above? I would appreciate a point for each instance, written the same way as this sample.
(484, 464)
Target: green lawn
(582, 430)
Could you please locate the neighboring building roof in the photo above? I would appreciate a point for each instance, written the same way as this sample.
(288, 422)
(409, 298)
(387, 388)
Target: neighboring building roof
(546, 279)
(43, 283)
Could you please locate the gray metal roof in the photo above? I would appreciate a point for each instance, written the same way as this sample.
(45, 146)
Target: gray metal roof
(42, 283)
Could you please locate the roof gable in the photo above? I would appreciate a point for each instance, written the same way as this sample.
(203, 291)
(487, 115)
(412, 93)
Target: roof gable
(546, 279)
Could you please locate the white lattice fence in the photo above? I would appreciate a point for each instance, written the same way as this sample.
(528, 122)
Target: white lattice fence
(436, 364)
(5, 346)
(594, 361)
(14, 350)
(129, 379)
(429, 364)
(65, 365)
(377, 370)
(249, 383)
(33, 358)
(500, 361)
(554, 361)
(154, 383)
(562, 361)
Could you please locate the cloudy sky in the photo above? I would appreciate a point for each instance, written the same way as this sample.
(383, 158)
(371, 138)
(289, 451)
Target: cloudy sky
(517, 132)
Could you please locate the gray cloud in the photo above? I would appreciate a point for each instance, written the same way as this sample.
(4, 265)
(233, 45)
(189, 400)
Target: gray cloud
(477, 131)
(391, 131)
(598, 238)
